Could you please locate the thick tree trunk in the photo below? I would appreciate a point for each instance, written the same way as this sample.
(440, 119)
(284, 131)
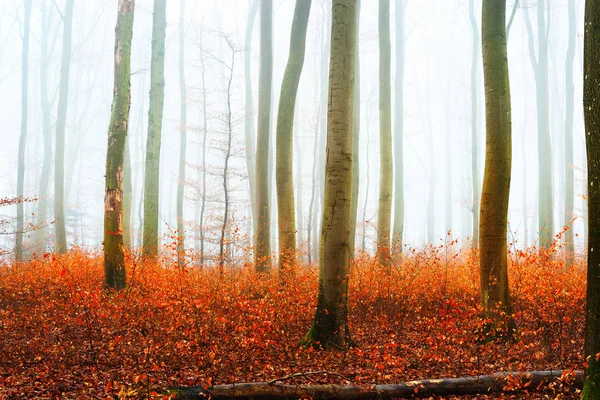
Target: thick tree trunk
(114, 258)
(473, 385)
(476, 187)
(182, 138)
(386, 167)
(155, 116)
(330, 325)
(285, 137)
(399, 129)
(569, 116)
(61, 122)
(262, 251)
(23, 136)
(495, 294)
(591, 102)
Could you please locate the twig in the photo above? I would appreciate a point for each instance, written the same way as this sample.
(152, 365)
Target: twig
(306, 374)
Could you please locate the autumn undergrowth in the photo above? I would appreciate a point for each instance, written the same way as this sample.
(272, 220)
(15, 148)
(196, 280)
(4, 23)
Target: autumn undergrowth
(62, 335)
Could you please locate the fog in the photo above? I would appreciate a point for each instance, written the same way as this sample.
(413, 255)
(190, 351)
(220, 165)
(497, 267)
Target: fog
(437, 118)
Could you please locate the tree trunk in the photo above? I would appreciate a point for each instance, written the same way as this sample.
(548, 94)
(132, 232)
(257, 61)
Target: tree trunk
(591, 99)
(496, 179)
(355, 139)
(330, 325)
(285, 137)
(61, 120)
(399, 129)
(476, 187)
(182, 140)
(155, 116)
(204, 135)
(386, 167)
(262, 252)
(127, 196)
(569, 116)
(23, 137)
(114, 258)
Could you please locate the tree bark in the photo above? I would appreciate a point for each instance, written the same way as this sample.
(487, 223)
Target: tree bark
(330, 324)
(591, 99)
(386, 167)
(569, 116)
(355, 139)
(182, 138)
(285, 137)
(114, 257)
(61, 121)
(399, 129)
(155, 116)
(495, 293)
(476, 187)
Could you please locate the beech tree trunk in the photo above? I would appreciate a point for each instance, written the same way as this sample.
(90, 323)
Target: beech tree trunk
(476, 187)
(155, 116)
(386, 167)
(23, 136)
(569, 116)
(285, 137)
(262, 252)
(114, 257)
(330, 324)
(591, 102)
(182, 138)
(355, 139)
(61, 122)
(495, 293)
(399, 129)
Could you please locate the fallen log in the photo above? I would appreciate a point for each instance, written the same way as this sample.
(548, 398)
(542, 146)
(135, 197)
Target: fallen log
(423, 388)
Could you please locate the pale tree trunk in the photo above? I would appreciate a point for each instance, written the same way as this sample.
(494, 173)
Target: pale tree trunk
(61, 121)
(399, 129)
(493, 266)
(114, 257)
(591, 99)
(386, 167)
(285, 137)
(127, 196)
(330, 325)
(155, 116)
(183, 138)
(23, 136)
(569, 116)
(448, 172)
(298, 179)
(249, 134)
(476, 186)
(42, 215)
(540, 70)
(262, 252)
(355, 138)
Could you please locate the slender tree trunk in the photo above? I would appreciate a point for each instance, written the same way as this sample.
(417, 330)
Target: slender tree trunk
(569, 116)
(355, 138)
(399, 129)
(61, 120)
(476, 186)
(114, 257)
(155, 116)
(386, 167)
(591, 99)
(249, 133)
(298, 179)
(495, 293)
(262, 253)
(127, 196)
(330, 325)
(204, 136)
(285, 137)
(23, 137)
(182, 140)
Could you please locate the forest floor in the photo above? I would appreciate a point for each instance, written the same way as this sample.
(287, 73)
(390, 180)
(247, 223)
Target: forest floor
(63, 336)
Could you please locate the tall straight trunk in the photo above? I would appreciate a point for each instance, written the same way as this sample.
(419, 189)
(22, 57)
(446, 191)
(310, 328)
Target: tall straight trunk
(23, 136)
(569, 116)
(204, 136)
(42, 215)
(591, 99)
(540, 70)
(493, 265)
(330, 325)
(182, 139)
(299, 188)
(127, 196)
(262, 252)
(249, 133)
(61, 122)
(476, 186)
(399, 129)
(355, 138)
(285, 137)
(448, 172)
(155, 116)
(386, 167)
(114, 257)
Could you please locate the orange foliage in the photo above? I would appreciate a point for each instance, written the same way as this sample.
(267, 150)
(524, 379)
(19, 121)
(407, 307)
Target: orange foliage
(63, 336)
